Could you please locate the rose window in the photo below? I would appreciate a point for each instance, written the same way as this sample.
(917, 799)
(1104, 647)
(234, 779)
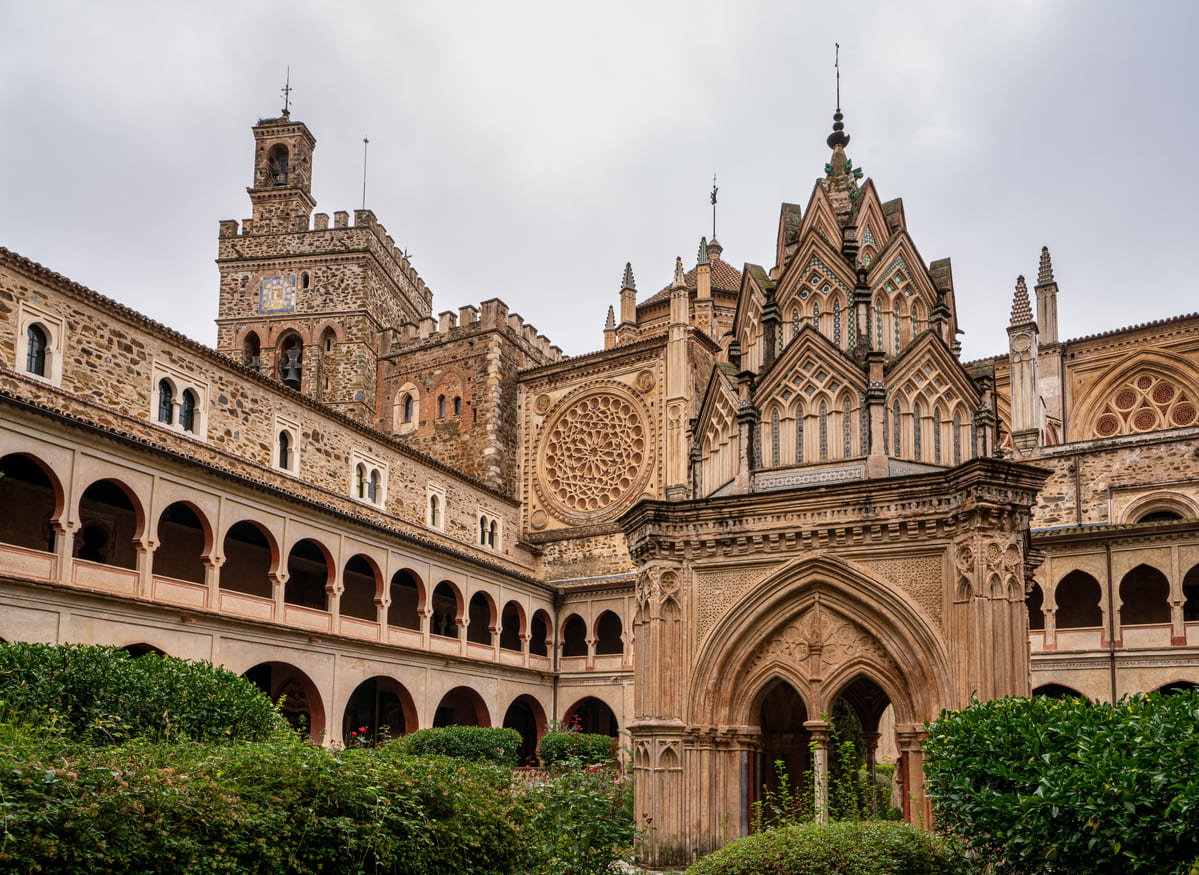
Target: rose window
(595, 452)
(1145, 403)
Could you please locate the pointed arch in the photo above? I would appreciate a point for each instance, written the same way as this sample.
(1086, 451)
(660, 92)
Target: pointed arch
(1160, 365)
(906, 655)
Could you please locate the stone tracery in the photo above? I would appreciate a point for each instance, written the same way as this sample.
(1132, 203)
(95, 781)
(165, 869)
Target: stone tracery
(1146, 402)
(596, 451)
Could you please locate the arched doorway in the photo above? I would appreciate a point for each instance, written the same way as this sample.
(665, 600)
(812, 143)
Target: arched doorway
(302, 706)
(591, 715)
(526, 716)
(461, 706)
(378, 709)
(784, 755)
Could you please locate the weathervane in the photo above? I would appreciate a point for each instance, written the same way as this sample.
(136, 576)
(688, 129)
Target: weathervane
(713, 206)
(286, 91)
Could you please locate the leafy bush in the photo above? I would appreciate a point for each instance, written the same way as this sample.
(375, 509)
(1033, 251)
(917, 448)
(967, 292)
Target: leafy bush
(102, 695)
(580, 821)
(560, 747)
(841, 848)
(1057, 785)
(282, 806)
(475, 743)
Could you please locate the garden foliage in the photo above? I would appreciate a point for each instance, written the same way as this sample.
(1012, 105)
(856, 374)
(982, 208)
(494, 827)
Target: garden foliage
(583, 747)
(91, 781)
(102, 695)
(1067, 785)
(839, 848)
(475, 743)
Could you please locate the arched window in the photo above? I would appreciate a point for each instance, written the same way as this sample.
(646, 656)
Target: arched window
(457, 406)
(441, 407)
(774, 438)
(304, 280)
(187, 411)
(284, 450)
(895, 420)
(837, 322)
(957, 438)
(372, 488)
(250, 350)
(816, 315)
(407, 408)
(291, 363)
(482, 531)
(491, 534)
(846, 432)
(166, 403)
(916, 417)
(434, 512)
(794, 322)
(360, 480)
(798, 435)
(823, 432)
(35, 361)
(327, 339)
(277, 164)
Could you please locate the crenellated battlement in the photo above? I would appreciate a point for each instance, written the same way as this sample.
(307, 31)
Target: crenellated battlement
(490, 315)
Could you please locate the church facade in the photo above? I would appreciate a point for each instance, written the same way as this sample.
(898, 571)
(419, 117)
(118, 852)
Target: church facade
(775, 493)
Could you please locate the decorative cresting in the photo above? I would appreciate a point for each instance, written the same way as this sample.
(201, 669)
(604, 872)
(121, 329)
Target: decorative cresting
(596, 453)
(1147, 401)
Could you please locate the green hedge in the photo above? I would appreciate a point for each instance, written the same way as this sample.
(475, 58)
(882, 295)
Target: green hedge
(556, 748)
(283, 806)
(102, 695)
(475, 743)
(840, 848)
(1057, 785)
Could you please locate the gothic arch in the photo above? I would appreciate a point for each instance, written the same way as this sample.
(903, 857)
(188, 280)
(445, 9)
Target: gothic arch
(1155, 502)
(1159, 365)
(865, 625)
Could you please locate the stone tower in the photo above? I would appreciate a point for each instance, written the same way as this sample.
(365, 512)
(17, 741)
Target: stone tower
(303, 302)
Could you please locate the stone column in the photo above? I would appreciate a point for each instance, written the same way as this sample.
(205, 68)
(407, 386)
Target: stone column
(870, 741)
(917, 807)
(818, 730)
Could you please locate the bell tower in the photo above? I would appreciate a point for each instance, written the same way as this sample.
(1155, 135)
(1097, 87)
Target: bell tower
(282, 189)
(305, 301)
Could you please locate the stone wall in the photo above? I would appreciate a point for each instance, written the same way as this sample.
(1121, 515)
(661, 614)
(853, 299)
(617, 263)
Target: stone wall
(112, 355)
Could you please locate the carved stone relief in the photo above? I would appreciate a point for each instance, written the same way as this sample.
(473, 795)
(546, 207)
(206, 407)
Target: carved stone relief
(921, 577)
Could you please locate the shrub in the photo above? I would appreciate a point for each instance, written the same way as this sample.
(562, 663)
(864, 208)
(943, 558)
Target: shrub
(841, 848)
(102, 695)
(282, 806)
(580, 821)
(556, 748)
(1055, 785)
(475, 743)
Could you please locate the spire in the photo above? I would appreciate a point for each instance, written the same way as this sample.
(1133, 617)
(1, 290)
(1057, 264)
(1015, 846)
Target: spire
(611, 321)
(1021, 310)
(703, 251)
(680, 279)
(838, 137)
(629, 282)
(1045, 271)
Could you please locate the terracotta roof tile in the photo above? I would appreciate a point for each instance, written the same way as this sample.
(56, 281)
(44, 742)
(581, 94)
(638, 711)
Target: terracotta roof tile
(725, 278)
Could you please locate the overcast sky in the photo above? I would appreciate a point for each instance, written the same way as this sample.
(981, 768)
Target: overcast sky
(528, 150)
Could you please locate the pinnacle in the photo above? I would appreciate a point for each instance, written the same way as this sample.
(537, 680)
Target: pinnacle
(680, 278)
(1045, 271)
(629, 282)
(703, 251)
(611, 320)
(1021, 309)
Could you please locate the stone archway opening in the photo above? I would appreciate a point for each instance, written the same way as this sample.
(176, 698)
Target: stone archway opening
(301, 706)
(28, 503)
(527, 717)
(461, 706)
(856, 787)
(783, 766)
(379, 709)
(591, 715)
(249, 557)
(182, 544)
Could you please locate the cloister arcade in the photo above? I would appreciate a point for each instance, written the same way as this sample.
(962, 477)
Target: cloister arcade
(211, 556)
